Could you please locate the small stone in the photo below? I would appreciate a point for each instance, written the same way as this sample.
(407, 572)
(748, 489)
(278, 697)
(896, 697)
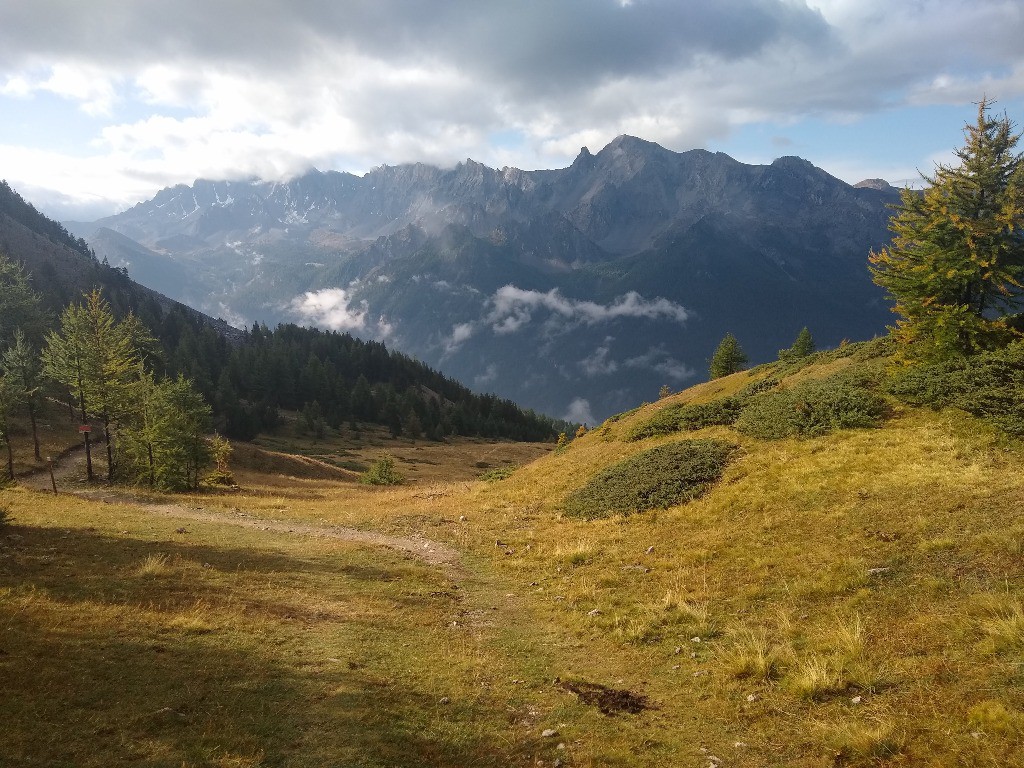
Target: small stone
(739, 745)
(444, 700)
(856, 699)
(650, 550)
(558, 762)
(594, 612)
(180, 530)
(694, 639)
(549, 733)
(560, 746)
(678, 650)
(751, 697)
(462, 518)
(675, 666)
(878, 571)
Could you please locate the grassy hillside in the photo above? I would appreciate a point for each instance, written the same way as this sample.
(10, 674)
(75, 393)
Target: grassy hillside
(846, 597)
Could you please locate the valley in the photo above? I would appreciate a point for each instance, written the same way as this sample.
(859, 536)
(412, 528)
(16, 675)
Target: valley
(764, 623)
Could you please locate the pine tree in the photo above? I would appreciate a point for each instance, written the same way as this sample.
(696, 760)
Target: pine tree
(956, 262)
(802, 347)
(728, 358)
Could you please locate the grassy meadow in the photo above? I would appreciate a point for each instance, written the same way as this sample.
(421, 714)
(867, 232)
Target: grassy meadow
(849, 599)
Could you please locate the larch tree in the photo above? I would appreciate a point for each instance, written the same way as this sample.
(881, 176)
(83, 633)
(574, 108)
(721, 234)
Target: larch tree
(21, 363)
(9, 400)
(20, 305)
(728, 358)
(956, 261)
(95, 357)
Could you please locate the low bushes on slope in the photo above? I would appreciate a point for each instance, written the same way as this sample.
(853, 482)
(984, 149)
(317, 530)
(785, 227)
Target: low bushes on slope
(989, 385)
(814, 407)
(655, 479)
(686, 416)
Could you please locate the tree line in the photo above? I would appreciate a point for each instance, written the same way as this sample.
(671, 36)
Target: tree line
(157, 379)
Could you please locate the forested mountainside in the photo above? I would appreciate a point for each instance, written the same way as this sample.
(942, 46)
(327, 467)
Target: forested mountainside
(248, 376)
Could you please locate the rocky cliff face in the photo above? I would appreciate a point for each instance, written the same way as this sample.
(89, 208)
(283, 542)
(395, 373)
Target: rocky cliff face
(541, 285)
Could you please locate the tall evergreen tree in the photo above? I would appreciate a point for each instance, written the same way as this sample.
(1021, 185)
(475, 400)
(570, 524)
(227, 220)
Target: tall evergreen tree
(95, 357)
(9, 398)
(956, 261)
(22, 365)
(728, 358)
(802, 347)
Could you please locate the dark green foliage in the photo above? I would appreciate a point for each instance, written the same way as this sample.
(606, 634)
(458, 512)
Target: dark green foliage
(956, 260)
(989, 385)
(802, 347)
(757, 387)
(728, 358)
(687, 416)
(811, 408)
(383, 472)
(655, 479)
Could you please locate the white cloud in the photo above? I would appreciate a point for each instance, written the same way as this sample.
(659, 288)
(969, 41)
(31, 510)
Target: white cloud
(460, 333)
(659, 360)
(512, 308)
(334, 308)
(579, 412)
(330, 308)
(599, 363)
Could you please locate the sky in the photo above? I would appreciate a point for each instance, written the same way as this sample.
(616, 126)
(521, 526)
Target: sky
(104, 103)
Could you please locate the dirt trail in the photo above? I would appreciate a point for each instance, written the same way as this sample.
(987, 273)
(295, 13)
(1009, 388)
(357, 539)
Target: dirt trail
(69, 473)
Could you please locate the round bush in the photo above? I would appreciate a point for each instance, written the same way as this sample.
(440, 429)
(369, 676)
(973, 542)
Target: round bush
(655, 479)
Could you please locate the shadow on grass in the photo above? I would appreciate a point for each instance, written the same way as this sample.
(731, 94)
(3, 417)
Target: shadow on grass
(105, 666)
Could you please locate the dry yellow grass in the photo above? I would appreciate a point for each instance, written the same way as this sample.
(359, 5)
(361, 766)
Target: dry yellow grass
(852, 599)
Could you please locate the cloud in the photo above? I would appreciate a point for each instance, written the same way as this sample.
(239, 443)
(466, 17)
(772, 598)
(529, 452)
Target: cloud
(333, 308)
(659, 360)
(512, 308)
(579, 412)
(509, 309)
(599, 364)
(489, 375)
(221, 90)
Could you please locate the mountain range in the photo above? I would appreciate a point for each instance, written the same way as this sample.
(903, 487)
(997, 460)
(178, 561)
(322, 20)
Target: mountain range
(577, 291)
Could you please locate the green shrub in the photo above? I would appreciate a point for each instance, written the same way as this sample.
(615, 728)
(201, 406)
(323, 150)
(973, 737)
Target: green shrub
(812, 408)
(757, 387)
(383, 472)
(655, 479)
(989, 385)
(499, 473)
(675, 418)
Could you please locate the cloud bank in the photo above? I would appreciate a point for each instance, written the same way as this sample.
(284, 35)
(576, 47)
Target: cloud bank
(137, 96)
(511, 308)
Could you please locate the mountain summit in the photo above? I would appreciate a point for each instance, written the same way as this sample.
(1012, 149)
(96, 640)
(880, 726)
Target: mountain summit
(578, 291)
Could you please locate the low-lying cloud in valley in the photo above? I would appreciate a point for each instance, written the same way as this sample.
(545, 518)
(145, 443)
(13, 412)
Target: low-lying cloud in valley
(511, 308)
(335, 309)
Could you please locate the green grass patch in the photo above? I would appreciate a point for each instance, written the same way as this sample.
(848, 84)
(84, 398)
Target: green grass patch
(655, 479)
